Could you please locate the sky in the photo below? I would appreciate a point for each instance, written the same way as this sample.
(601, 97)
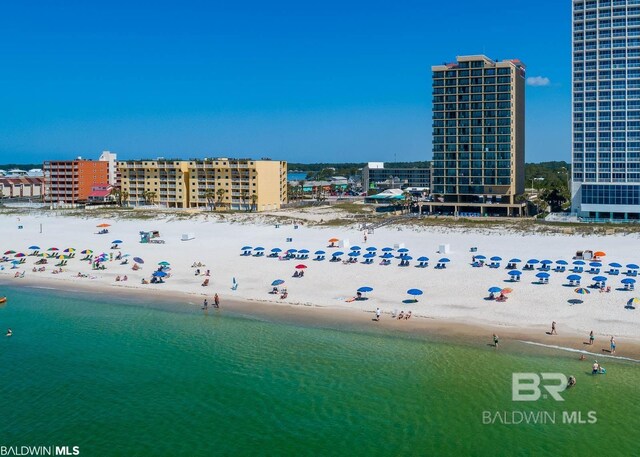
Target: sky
(331, 81)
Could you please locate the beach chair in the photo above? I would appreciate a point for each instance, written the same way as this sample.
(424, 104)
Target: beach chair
(578, 269)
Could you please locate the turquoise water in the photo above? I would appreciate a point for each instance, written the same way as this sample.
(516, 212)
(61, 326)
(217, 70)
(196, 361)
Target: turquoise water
(155, 379)
(291, 176)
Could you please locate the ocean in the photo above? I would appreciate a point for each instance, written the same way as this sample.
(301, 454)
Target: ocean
(118, 377)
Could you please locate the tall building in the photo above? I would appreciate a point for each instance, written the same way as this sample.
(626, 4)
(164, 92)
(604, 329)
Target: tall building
(224, 183)
(478, 137)
(606, 110)
(376, 177)
(112, 160)
(71, 181)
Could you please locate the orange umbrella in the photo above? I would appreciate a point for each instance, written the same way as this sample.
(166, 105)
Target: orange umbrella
(103, 225)
(599, 254)
(507, 290)
(333, 240)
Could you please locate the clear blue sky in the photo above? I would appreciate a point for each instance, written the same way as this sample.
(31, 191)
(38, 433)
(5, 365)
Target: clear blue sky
(299, 81)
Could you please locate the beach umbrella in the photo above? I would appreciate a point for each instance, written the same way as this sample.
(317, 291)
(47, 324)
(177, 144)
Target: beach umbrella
(546, 262)
(542, 275)
(615, 265)
(496, 259)
(164, 263)
(337, 253)
(127, 255)
(63, 257)
(138, 260)
(480, 257)
(423, 259)
(9, 252)
(406, 257)
(356, 248)
(34, 247)
(334, 240)
(444, 260)
(372, 249)
(533, 261)
(53, 249)
(403, 250)
(599, 278)
(562, 262)
(370, 255)
(276, 250)
(387, 255)
(159, 274)
(595, 264)
(578, 262)
(301, 266)
(246, 248)
(19, 254)
(495, 289)
(86, 251)
(582, 291)
(277, 282)
(599, 254)
(506, 290)
(15, 262)
(69, 250)
(515, 273)
(628, 281)
(365, 289)
(292, 251)
(103, 225)
(354, 254)
(303, 251)
(574, 277)
(259, 248)
(515, 261)
(387, 249)
(116, 242)
(414, 292)
(631, 266)
(319, 253)
(633, 301)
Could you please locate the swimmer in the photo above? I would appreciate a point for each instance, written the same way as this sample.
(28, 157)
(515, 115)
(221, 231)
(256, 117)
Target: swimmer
(9, 332)
(572, 381)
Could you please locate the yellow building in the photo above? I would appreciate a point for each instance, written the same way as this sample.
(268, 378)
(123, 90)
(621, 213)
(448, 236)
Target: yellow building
(236, 184)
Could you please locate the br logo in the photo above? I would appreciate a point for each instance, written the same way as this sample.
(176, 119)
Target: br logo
(526, 386)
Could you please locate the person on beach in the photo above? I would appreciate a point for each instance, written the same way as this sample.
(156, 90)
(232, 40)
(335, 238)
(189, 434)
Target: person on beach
(591, 338)
(612, 345)
(216, 301)
(401, 315)
(553, 328)
(205, 305)
(378, 312)
(595, 368)
(408, 315)
(495, 341)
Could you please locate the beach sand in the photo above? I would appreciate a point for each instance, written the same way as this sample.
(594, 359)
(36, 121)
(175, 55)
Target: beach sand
(454, 300)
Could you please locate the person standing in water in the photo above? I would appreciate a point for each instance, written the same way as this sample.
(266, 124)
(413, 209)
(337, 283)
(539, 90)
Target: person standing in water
(205, 305)
(495, 341)
(591, 338)
(216, 301)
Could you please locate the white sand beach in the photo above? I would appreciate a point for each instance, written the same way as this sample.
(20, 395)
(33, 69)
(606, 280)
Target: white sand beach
(455, 294)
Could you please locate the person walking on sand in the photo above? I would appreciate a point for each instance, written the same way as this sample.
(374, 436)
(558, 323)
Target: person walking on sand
(495, 341)
(553, 328)
(591, 338)
(216, 301)
(378, 312)
(612, 346)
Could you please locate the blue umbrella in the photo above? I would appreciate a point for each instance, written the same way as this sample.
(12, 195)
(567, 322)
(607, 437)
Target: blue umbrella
(595, 264)
(276, 250)
(542, 275)
(628, 281)
(353, 254)
(387, 255)
(159, 274)
(113, 242)
(138, 260)
(533, 261)
(496, 259)
(337, 253)
(406, 257)
(599, 278)
(356, 248)
(574, 277)
(387, 249)
(15, 262)
(414, 292)
(370, 255)
(277, 282)
(444, 260)
(34, 247)
(480, 257)
(579, 262)
(319, 253)
(495, 289)
(372, 249)
(365, 289)
(303, 251)
(403, 250)
(562, 262)
(631, 266)
(515, 261)
(515, 273)
(615, 265)
(546, 262)
(423, 259)
(246, 248)
(259, 248)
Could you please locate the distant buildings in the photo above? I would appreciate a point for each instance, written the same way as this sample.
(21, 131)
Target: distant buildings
(71, 181)
(478, 136)
(31, 187)
(376, 177)
(606, 110)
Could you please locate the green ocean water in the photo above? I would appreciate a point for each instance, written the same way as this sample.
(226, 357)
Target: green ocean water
(141, 379)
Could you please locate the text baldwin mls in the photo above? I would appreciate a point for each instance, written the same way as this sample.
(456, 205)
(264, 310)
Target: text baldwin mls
(538, 417)
(39, 450)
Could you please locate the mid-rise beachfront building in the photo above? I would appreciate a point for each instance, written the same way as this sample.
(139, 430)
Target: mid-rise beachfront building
(478, 137)
(236, 184)
(606, 110)
(71, 181)
(376, 177)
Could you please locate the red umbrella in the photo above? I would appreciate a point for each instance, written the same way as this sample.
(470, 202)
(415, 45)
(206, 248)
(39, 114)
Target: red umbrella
(301, 266)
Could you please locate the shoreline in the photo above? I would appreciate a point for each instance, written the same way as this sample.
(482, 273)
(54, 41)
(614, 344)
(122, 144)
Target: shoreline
(477, 334)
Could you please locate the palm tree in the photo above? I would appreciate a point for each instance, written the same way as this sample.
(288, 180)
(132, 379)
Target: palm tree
(220, 194)
(116, 193)
(149, 196)
(407, 199)
(254, 201)
(124, 197)
(210, 195)
(244, 195)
